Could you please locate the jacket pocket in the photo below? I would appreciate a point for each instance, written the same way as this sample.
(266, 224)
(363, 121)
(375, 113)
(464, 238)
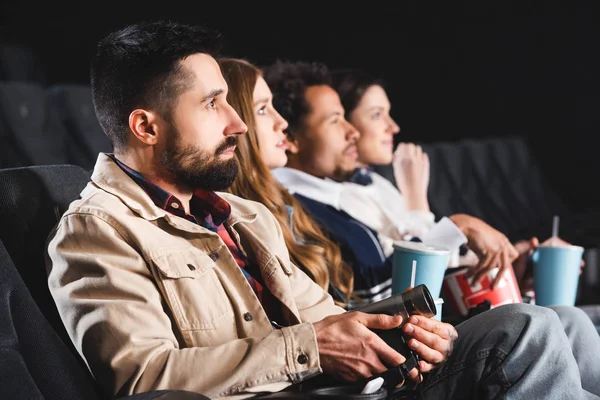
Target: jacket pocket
(284, 267)
(193, 290)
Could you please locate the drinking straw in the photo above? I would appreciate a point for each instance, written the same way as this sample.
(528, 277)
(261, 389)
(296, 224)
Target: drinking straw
(555, 222)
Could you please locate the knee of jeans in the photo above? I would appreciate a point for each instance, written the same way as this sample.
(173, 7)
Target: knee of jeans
(531, 315)
(570, 316)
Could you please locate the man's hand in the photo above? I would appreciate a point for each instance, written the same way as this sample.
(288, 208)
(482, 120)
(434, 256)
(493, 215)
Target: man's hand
(523, 274)
(525, 248)
(431, 339)
(492, 247)
(349, 350)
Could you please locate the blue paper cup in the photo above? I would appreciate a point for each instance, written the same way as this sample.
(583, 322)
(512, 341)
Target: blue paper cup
(431, 266)
(556, 274)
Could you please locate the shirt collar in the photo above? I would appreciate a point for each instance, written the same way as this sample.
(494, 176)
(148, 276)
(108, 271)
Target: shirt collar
(323, 190)
(202, 204)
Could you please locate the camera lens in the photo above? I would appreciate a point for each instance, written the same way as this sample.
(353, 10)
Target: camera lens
(419, 301)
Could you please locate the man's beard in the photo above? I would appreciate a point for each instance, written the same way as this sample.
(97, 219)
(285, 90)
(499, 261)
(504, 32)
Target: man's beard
(198, 169)
(341, 174)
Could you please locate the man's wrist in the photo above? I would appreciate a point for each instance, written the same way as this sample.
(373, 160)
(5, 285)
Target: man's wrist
(463, 222)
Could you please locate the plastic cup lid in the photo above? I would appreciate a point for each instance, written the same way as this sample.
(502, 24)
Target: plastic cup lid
(562, 246)
(420, 247)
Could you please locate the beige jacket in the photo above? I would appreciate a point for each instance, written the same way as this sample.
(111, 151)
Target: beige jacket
(153, 301)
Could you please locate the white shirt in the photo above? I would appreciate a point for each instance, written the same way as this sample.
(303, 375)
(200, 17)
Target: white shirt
(379, 205)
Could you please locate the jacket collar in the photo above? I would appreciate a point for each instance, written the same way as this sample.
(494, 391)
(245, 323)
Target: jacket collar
(109, 177)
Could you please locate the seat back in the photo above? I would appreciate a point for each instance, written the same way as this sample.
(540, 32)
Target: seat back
(74, 105)
(30, 132)
(495, 179)
(19, 62)
(34, 362)
(32, 199)
(33, 339)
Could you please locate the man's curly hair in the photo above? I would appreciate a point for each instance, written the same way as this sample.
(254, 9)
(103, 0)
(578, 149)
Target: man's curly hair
(288, 81)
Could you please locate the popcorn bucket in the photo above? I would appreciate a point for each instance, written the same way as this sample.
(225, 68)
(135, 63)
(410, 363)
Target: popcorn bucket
(462, 295)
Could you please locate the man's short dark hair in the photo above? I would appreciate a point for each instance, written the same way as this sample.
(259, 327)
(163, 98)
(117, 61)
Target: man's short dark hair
(139, 67)
(288, 81)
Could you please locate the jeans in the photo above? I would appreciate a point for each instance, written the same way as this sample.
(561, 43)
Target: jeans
(516, 351)
(593, 311)
(585, 343)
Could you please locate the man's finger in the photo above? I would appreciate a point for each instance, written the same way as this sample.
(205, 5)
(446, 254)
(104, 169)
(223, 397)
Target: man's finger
(434, 326)
(427, 353)
(424, 366)
(361, 370)
(522, 246)
(492, 263)
(415, 375)
(378, 321)
(506, 263)
(498, 277)
(480, 264)
(431, 347)
(513, 253)
(386, 354)
(377, 367)
(483, 262)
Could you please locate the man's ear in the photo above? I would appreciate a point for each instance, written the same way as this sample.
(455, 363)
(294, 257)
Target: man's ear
(144, 125)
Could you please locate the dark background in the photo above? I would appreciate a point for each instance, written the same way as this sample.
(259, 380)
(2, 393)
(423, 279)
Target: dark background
(452, 71)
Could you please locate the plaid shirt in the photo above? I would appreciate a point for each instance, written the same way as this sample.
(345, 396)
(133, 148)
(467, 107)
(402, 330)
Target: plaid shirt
(210, 211)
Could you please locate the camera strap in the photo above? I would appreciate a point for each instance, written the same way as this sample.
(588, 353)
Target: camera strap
(397, 375)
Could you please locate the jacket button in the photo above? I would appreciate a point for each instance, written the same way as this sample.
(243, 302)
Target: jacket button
(214, 256)
(302, 359)
(248, 317)
(191, 267)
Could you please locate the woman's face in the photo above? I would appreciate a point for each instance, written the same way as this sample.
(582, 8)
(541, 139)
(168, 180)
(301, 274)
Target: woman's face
(377, 128)
(269, 126)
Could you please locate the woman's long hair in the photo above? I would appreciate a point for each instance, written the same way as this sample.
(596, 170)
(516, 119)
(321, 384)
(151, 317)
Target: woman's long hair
(308, 246)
